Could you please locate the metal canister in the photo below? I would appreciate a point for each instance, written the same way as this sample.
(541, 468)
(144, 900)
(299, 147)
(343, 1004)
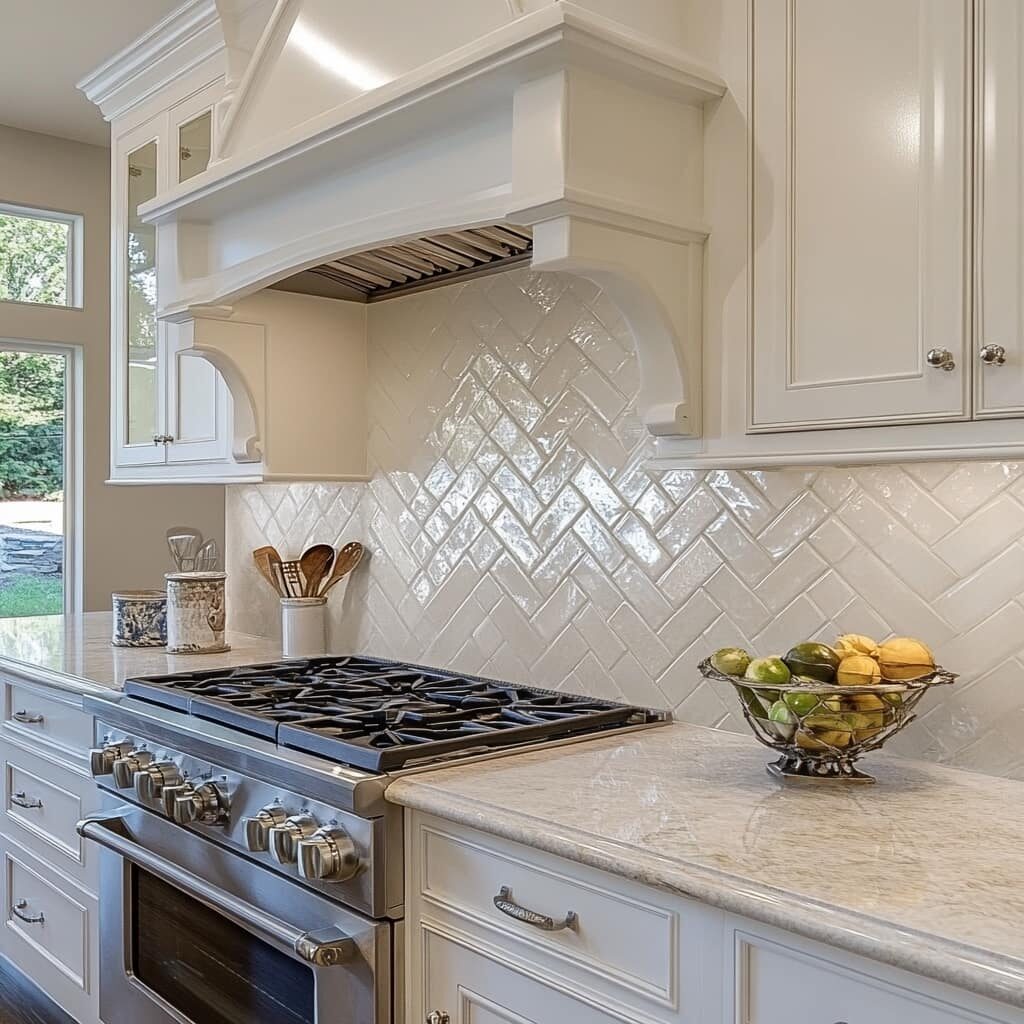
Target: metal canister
(195, 613)
(140, 618)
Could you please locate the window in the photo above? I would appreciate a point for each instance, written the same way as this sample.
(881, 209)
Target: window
(40, 256)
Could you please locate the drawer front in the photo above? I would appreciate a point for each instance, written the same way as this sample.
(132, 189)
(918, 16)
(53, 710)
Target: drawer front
(474, 989)
(778, 985)
(618, 936)
(42, 803)
(45, 919)
(43, 718)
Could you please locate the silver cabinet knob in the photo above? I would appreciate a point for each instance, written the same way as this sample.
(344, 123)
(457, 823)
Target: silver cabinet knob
(438, 1017)
(257, 828)
(205, 805)
(941, 359)
(150, 782)
(328, 855)
(101, 759)
(125, 768)
(992, 355)
(284, 838)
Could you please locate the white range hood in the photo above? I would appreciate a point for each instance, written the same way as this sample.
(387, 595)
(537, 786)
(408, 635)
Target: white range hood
(363, 146)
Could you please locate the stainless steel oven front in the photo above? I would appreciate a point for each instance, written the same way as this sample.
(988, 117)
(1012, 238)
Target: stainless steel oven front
(192, 933)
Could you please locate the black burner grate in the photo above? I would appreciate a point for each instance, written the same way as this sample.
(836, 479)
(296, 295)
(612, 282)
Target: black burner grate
(378, 714)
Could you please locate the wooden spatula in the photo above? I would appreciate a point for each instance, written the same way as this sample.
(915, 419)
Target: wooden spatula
(314, 565)
(265, 558)
(348, 558)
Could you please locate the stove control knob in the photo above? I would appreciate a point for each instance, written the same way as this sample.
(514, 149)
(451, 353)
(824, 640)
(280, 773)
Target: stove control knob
(101, 759)
(171, 793)
(152, 780)
(284, 838)
(257, 828)
(126, 768)
(204, 805)
(328, 855)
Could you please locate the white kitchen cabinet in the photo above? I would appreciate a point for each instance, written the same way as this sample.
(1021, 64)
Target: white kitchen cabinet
(633, 953)
(48, 876)
(999, 356)
(860, 212)
(170, 410)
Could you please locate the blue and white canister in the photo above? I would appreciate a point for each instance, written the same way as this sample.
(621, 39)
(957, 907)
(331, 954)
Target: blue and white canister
(195, 612)
(140, 618)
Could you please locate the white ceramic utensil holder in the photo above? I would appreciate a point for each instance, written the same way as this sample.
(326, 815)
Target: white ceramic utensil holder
(303, 626)
(195, 612)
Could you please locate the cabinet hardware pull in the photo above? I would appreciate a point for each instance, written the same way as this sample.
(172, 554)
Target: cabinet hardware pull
(17, 909)
(992, 355)
(162, 439)
(941, 359)
(19, 799)
(508, 906)
(27, 718)
(438, 1017)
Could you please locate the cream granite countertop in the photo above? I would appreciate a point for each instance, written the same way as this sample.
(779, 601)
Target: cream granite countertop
(74, 652)
(924, 870)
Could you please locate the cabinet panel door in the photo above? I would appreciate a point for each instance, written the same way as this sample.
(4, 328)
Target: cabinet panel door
(474, 989)
(1000, 214)
(198, 414)
(859, 147)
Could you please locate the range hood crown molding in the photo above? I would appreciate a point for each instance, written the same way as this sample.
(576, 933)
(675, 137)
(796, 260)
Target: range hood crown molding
(575, 129)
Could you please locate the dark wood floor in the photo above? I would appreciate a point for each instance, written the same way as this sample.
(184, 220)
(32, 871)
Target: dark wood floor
(22, 1003)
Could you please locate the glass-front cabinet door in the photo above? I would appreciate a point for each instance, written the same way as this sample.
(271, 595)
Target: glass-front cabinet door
(137, 363)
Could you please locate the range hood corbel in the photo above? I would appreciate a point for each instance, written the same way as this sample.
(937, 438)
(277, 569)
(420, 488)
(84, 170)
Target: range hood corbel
(561, 126)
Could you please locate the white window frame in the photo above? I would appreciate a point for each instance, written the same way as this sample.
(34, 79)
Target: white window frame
(74, 456)
(76, 231)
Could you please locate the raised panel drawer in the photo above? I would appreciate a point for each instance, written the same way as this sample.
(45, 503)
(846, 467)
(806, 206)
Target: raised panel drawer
(779, 985)
(474, 989)
(621, 940)
(42, 803)
(45, 919)
(38, 717)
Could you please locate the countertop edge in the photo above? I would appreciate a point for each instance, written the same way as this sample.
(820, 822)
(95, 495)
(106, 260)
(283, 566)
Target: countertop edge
(58, 680)
(975, 970)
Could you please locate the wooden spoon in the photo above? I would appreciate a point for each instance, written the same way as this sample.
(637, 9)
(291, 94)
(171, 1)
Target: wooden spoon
(266, 558)
(314, 565)
(348, 558)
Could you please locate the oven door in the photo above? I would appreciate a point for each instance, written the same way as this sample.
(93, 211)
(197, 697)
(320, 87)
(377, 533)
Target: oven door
(195, 934)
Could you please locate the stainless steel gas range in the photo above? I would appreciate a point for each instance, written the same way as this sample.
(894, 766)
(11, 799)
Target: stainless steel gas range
(251, 869)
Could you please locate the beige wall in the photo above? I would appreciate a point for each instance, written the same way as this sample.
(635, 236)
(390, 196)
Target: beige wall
(124, 526)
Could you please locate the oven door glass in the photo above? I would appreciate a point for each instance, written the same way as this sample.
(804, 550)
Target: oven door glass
(207, 968)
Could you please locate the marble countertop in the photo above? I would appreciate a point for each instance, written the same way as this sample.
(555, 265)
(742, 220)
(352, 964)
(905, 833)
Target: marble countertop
(922, 871)
(74, 652)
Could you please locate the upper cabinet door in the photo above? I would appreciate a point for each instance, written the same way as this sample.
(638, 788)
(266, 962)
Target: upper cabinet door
(999, 359)
(860, 200)
(136, 357)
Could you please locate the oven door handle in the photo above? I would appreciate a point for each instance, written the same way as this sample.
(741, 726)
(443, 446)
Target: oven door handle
(324, 948)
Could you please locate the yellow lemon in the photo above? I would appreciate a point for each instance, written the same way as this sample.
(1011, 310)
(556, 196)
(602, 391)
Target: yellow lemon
(905, 658)
(858, 670)
(854, 643)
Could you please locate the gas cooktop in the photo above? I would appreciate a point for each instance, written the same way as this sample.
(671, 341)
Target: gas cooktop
(380, 715)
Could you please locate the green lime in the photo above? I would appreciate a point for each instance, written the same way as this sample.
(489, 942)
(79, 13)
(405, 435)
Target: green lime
(753, 702)
(768, 670)
(733, 661)
(816, 660)
(802, 703)
(781, 713)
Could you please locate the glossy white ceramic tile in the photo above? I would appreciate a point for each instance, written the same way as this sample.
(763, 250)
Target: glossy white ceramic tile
(515, 533)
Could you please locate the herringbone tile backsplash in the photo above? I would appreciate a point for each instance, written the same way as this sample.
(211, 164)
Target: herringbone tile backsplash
(515, 533)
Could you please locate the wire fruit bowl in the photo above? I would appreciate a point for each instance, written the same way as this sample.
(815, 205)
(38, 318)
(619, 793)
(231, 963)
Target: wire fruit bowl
(822, 729)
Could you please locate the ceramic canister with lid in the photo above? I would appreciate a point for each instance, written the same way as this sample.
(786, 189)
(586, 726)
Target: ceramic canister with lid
(195, 612)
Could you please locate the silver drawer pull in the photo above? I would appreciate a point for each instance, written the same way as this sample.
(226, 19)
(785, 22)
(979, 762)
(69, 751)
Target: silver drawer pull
(17, 909)
(19, 799)
(27, 718)
(508, 906)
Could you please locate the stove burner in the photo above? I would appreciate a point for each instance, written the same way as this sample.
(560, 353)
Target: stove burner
(378, 714)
